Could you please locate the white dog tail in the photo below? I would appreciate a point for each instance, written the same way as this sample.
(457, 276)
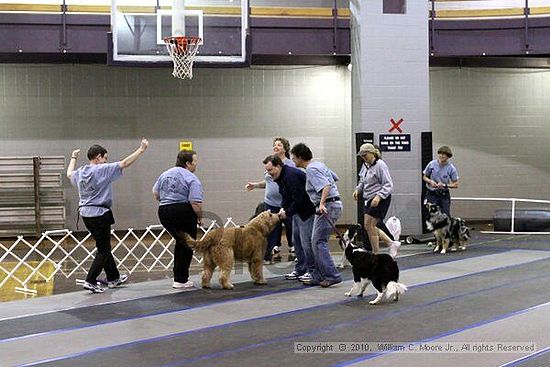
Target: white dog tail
(394, 290)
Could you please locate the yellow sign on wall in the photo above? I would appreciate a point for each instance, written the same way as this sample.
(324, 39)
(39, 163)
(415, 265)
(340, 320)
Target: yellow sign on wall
(186, 145)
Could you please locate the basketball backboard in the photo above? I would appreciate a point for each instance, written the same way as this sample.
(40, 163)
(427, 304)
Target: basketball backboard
(140, 26)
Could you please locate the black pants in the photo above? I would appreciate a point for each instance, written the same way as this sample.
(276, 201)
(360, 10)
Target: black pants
(442, 199)
(100, 229)
(180, 218)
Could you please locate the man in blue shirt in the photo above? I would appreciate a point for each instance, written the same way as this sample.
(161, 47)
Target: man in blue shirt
(295, 204)
(323, 193)
(180, 195)
(93, 182)
(441, 175)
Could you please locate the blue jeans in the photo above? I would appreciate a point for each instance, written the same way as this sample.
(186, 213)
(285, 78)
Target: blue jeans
(301, 235)
(324, 265)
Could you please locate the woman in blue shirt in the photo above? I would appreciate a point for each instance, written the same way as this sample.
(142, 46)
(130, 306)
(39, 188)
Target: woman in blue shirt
(180, 196)
(440, 175)
(272, 201)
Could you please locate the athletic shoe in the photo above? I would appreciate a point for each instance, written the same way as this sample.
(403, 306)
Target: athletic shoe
(188, 284)
(310, 282)
(268, 262)
(305, 277)
(94, 288)
(115, 283)
(328, 283)
(394, 247)
(291, 249)
(276, 250)
(292, 276)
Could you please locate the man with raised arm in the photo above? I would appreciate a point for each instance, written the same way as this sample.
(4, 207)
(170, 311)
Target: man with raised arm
(93, 182)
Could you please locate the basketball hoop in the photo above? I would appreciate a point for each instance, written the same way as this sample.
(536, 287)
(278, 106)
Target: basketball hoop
(182, 50)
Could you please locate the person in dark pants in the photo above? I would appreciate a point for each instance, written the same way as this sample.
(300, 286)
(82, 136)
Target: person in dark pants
(441, 175)
(180, 195)
(93, 182)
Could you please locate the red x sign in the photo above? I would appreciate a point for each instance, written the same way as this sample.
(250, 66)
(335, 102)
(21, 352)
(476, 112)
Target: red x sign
(395, 125)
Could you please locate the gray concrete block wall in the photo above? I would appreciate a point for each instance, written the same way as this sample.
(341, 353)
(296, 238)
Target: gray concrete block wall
(391, 80)
(497, 123)
(230, 115)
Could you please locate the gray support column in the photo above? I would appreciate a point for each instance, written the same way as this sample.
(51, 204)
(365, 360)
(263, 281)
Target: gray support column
(390, 80)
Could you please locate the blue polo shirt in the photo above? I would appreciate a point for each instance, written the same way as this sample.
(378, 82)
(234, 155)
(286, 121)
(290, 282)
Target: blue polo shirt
(318, 176)
(178, 185)
(440, 173)
(94, 187)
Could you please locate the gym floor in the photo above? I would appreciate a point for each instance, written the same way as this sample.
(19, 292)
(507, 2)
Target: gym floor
(495, 292)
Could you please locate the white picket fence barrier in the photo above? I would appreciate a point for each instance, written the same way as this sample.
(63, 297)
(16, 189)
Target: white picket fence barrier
(67, 254)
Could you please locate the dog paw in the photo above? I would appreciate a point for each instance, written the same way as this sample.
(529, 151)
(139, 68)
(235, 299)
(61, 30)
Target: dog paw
(347, 294)
(261, 282)
(206, 286)
(373, 302)
(436, 249)
(462, 248)
(443, 251)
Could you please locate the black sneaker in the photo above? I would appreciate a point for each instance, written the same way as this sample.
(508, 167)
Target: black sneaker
(94, 288)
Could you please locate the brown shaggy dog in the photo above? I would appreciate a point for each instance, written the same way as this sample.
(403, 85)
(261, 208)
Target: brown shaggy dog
(222, 246)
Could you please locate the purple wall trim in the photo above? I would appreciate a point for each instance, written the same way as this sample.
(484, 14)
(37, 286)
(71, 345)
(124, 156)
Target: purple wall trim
(490, 23)
(91, 19)
(38, 34)
(505, 37)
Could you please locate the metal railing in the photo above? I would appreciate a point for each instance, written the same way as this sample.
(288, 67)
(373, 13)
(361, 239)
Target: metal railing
(513, 202)
(149, 251)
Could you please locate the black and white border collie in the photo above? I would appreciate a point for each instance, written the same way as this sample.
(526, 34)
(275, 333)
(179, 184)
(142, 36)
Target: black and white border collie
(381, 270)
(349, 236)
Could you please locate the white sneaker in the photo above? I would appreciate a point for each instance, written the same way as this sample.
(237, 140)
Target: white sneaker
(305, 277)
(188, 284)
(94, 288)
(115, 283)
(394, 247)
(292, 276)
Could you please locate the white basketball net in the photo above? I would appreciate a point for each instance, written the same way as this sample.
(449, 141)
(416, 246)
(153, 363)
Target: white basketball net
(183, 51)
